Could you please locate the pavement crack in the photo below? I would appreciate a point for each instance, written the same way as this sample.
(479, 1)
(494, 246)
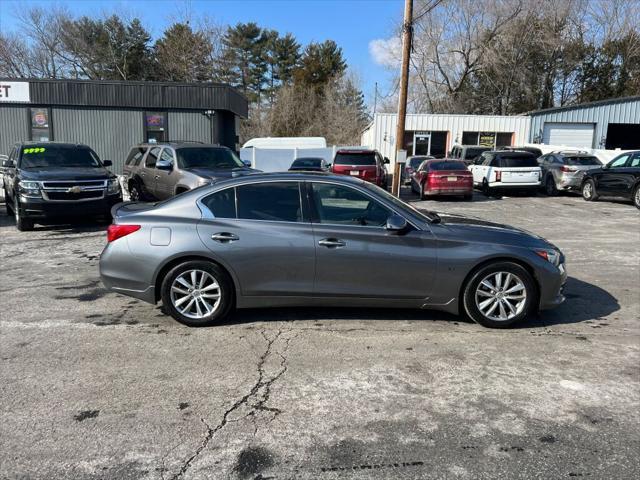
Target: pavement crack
(261, 391)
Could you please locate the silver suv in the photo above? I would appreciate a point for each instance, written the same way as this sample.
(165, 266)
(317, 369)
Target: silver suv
(562, 171)
(157, 171)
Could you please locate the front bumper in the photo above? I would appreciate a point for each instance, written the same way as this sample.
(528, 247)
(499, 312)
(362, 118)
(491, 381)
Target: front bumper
(552, 287)
(40, 208)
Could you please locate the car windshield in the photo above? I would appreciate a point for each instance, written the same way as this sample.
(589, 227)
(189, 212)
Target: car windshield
(58, 156)
(582, 161)
(307, 162)
(208, 157)
(447, 166)
(349, 158)
(515, 162)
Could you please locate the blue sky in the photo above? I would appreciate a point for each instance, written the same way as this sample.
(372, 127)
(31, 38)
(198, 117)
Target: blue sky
(353, 24)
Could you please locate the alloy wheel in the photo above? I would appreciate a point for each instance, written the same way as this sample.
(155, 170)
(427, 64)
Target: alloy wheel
(636, 197)
(501, 296)
(587, 190)
(134, 194)
(195, 294)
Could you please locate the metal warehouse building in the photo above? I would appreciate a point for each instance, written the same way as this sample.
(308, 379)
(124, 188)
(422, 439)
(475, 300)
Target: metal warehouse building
(112, 116)
(607, 124)
(435, 134)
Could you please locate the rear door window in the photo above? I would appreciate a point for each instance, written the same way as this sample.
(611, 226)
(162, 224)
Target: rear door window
(271, 201)
(152, 157)
(222, 204)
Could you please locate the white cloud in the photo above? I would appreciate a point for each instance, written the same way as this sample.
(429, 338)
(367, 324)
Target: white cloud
(386, 51)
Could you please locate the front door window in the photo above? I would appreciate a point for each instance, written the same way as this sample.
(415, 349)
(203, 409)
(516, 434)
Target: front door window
(338, 205)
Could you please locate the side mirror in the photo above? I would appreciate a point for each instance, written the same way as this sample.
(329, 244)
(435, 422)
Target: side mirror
(8, 163)
(386, 161)
(107, 163)
(606, 166)
(164, 165)
(247, 163)
(396, 224)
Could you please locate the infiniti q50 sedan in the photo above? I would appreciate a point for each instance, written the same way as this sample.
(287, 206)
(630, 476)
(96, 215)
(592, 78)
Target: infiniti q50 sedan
(313, 239)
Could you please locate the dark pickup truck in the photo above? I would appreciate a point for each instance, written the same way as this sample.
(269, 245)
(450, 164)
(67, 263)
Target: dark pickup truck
(48, 181)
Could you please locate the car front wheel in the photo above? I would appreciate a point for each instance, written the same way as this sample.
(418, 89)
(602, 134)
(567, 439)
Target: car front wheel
(499, 295)
(22, 224)
(636, 197)
(589, 191)
(197, 293)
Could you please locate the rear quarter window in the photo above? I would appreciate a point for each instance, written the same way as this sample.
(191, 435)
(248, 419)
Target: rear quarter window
(222, 204)
(583, 161)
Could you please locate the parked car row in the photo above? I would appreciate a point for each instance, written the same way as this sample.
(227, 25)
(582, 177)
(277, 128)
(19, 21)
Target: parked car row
(497, 172)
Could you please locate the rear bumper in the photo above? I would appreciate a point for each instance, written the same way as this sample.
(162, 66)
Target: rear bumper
(571, 183)
(449, 191)
(123, 273)
(514, 186)
(39, 208)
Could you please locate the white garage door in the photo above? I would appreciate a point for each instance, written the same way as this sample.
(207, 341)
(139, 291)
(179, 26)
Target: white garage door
(569, 134)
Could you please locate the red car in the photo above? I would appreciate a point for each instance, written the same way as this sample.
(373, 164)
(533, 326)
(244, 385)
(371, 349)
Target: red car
(442, 177)
(365, 164)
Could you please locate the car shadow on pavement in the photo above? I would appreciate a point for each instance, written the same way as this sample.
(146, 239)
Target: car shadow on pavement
(584, 302)
(79, 225)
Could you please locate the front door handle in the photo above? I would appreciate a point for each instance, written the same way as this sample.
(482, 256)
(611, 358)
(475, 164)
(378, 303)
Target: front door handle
(332, 243)
(224, 237)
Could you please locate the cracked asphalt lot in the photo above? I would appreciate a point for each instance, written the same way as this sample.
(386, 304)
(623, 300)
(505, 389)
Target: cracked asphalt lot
(94, 385)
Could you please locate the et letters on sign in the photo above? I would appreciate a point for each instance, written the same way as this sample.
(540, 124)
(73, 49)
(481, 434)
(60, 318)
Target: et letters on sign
(17, 92)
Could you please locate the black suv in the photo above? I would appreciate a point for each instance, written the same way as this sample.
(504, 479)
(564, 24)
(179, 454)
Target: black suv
(49, 180)
(618, 178)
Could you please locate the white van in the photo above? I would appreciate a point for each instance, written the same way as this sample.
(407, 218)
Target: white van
(286, 142)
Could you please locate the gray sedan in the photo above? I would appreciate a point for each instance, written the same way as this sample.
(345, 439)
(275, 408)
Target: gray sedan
(291, 239)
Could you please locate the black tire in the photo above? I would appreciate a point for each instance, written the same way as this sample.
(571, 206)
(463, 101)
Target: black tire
(413, 187)
(528, 306)
(22, 224)
(226, 292)
(589, 192)
(636, 196)
(136, 192)
(422, 195)
(468, 198)
(550, 187)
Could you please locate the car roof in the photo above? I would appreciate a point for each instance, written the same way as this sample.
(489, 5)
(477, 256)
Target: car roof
(309, 158)
(182, 144)
(356, 150)
(512, 153)
(59, 144)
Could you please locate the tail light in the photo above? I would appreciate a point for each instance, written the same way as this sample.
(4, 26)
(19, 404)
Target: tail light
(498, 176)
(566, 169)
(115, 232)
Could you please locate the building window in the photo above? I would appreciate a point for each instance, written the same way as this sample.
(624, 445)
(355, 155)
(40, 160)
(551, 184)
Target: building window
(40, 124)
(487, 139)
(155, 127)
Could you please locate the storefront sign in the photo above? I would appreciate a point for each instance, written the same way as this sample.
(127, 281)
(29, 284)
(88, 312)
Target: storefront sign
(14, 92)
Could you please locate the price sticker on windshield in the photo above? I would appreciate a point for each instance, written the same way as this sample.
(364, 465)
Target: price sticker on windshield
(33, 150)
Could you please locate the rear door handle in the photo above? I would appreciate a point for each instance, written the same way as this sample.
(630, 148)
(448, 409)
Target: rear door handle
(332, 243)
(224, 237)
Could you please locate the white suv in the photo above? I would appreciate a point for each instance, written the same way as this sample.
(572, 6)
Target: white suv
(497, 172)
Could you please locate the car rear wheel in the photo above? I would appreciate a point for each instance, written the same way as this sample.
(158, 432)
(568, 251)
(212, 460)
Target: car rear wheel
(499, 295)
(423, 195)
(550, 186)
(636, 197)
(488, 191)
(22, 224)
(589, 191)
(197, 293)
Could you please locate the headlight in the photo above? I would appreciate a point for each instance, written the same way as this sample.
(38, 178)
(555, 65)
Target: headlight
(29, 189)
(113, 187)
(550, 255)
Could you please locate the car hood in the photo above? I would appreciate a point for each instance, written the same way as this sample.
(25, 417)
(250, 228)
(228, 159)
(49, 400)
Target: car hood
(476, 229)
(220, 174)
(66, 173)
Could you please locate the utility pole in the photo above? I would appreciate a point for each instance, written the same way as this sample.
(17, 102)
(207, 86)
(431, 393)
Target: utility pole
(375, 98)
(407, 33)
